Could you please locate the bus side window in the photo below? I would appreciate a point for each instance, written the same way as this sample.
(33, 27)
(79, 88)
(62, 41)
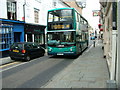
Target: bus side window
(76, 15)
(50, 18)
(81, 19)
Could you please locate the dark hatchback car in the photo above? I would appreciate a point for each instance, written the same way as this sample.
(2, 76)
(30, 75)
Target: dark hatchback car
(25, 50)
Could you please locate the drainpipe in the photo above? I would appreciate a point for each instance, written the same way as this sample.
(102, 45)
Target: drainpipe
(24, 9)
(118, 45)
(24, 19)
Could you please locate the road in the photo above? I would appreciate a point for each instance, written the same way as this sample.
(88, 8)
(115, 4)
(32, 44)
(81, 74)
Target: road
(32, 74)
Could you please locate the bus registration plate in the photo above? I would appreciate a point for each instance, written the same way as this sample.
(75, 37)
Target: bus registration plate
(59, 53)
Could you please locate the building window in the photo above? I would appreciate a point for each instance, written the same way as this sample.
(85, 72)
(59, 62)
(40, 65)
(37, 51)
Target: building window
(39, 38)
(54, 3)
(6, 36)
(11, 10)
(36, 15)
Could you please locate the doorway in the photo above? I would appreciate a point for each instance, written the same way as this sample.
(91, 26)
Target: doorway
(17, 36)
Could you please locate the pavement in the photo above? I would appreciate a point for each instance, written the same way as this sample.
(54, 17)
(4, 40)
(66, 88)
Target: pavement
(5, 60)
(89, 70)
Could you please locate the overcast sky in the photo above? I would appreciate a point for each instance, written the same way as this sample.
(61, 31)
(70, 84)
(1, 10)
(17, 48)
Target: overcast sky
(87, 12)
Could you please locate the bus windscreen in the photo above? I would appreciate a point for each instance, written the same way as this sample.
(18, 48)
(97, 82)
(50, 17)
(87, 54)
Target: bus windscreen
(61, 38)
(60, 19)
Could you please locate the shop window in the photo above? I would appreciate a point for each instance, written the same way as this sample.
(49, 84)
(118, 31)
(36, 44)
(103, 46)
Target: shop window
(11, 10)
(39, 39)
(6, 36)
(29, 37)
(36, 15)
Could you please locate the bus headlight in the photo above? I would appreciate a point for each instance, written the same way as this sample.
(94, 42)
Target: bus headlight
(50, 49)
(71, 49)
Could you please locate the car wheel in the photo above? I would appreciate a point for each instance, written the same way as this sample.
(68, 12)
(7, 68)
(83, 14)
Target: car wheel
(28, 58)
(12, 58)
(42, 54)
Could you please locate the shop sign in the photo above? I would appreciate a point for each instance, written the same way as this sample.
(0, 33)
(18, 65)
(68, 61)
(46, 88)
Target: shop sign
(96, 13)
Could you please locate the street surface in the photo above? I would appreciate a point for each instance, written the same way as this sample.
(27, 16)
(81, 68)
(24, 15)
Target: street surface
(88, 70)
(33, 74)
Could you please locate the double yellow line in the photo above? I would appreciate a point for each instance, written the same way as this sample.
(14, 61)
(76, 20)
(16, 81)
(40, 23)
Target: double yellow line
(9, 64)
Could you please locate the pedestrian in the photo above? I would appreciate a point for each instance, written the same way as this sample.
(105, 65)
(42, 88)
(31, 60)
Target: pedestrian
(94, 42)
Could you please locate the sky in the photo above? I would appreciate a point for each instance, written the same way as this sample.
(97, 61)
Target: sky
(87, 12)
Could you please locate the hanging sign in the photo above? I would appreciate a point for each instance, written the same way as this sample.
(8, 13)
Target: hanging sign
(96, 13)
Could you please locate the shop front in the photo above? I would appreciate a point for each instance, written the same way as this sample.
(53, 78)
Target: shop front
(10, 31)
(35, 33)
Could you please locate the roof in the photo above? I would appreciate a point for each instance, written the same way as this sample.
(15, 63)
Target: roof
(60, 9)
(14, 21)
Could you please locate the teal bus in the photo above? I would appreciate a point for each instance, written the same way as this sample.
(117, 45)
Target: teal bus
(67, 32)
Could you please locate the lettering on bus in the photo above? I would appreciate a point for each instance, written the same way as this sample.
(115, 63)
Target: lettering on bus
(60, 26)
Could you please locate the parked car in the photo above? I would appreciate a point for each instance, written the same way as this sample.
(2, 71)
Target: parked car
(25, 50)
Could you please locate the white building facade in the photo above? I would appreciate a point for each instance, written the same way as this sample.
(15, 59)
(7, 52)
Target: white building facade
(26, 8)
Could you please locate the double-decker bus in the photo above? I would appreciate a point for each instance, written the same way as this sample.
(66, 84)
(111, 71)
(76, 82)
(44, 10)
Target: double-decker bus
(67, 32)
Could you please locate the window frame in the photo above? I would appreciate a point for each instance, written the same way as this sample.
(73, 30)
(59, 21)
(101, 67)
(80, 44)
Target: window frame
(36, 15)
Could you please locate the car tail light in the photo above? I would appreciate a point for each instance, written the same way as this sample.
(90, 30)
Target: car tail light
(23, 51)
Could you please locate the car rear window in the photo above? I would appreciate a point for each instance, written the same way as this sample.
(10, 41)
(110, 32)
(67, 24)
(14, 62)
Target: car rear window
(17, 46)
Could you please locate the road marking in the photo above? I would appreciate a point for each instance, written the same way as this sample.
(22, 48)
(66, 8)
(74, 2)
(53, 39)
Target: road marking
(13, 66)
(17, 65)
(89, 48)
(8, 64)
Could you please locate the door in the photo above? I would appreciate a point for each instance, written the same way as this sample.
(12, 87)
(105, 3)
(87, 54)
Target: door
(17, 36)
